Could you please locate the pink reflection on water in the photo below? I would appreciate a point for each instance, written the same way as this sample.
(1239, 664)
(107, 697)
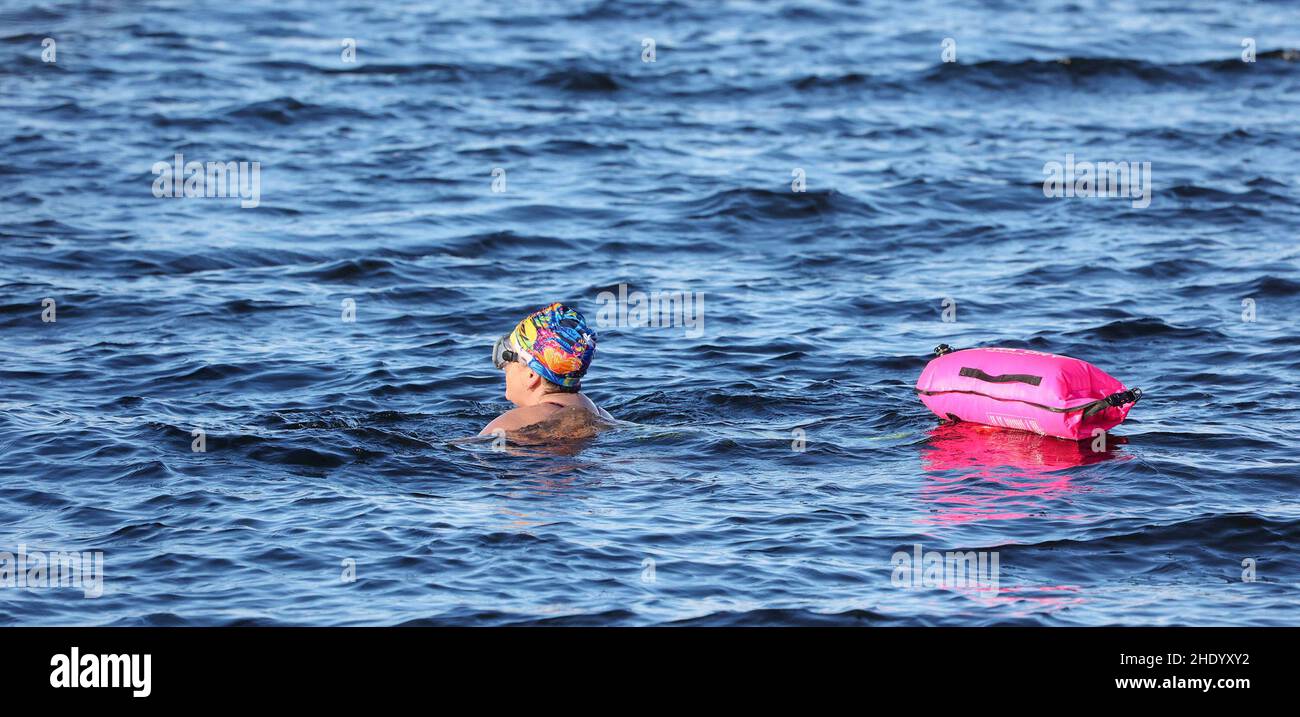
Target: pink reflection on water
(976, 473)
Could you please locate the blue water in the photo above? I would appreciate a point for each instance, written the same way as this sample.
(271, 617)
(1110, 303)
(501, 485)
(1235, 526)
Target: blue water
(329, 440)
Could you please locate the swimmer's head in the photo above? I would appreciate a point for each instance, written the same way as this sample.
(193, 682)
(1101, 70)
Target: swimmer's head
(548, 352)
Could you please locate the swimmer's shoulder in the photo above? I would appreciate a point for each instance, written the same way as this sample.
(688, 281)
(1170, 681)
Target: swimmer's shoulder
(525, 416)
(591, 407)
(517, 418)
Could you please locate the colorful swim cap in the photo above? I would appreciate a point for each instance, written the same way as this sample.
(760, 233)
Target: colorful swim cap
(556, 343)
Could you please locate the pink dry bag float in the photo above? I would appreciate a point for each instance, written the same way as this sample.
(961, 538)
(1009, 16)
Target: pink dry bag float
(1026, 390)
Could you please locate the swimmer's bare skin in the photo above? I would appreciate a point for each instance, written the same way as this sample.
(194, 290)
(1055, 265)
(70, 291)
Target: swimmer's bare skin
(560, 414)
(561, 409)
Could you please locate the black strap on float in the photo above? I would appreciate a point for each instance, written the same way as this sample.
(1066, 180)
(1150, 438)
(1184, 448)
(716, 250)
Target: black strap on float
(1114, 400)
(969, 372)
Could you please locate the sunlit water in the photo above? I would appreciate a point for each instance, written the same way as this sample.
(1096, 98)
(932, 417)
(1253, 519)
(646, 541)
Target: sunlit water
(328, 441)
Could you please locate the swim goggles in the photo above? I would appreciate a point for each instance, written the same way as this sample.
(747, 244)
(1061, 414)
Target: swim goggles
(502, 354)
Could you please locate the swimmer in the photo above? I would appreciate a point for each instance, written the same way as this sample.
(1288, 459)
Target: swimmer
(544, 359)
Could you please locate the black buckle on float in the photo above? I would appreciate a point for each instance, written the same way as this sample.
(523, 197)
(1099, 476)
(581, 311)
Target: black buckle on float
(1114, 400)
(1119, 399)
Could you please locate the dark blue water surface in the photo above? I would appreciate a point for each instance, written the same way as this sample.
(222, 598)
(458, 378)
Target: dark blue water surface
(329, 440)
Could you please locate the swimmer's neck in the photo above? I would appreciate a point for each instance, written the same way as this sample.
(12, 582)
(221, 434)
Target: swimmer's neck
(562, 399)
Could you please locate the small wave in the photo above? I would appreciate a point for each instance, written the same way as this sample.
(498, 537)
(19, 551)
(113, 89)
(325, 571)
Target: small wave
(1247, 533)
(494, 243)
(576, 80)
(809, 82)
(1072, 70)
(1268, 285)
(632, 10)
(1142, 328)
(352, 270)
(752, 204)
(434, 71)
(288, 110)
(1192, 191)
(767, 617)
